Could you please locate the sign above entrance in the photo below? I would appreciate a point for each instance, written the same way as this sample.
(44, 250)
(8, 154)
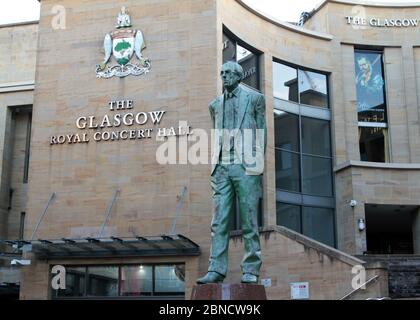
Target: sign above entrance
(381, 22)
(122, 44)
(117, 126)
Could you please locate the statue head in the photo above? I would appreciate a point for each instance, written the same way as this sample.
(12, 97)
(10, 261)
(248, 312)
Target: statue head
(231, 74)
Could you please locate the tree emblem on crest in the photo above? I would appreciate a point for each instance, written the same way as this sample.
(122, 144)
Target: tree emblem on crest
(123, 43)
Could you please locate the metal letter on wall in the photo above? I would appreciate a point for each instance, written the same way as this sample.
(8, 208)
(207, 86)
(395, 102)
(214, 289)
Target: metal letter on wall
(123, 43)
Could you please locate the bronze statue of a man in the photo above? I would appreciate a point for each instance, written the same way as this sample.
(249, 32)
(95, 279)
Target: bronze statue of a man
(237, 167)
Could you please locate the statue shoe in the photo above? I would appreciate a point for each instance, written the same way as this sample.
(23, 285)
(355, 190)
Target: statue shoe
(249, 278)
(211, 277)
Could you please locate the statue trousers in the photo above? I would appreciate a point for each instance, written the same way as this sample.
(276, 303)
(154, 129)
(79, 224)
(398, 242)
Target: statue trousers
(230, 182)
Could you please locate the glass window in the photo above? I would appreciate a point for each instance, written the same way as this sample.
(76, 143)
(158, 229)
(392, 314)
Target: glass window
(123, 281)
(371, 106)
(313, 88)
(373, 144)
(103, 281)
(316, 176)
(285, 82)
(316, 137)
(75, 283)
(249, 63)
(246, 57)
(136, 280)
(22, 225)
(370, 87)
(318, 223)
(286, 130)
(229, 49)
(170, 279)
(288, 216)
(304, 173)
(287, 171)
(301, 86)
(27, 147)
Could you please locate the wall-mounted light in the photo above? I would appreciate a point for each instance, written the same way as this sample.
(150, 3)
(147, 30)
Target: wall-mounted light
(361, 224)
(353, 203)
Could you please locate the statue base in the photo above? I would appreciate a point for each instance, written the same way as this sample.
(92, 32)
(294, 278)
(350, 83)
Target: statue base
(216, 291)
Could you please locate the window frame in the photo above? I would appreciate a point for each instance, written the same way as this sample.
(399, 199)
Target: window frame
(302, 199)
(302, 154)
(301, 220)
(148, 295)
(22, 221)
(386, 146)
(238, 41)
(371, 124)
(27, 148)
(382, 53)
(297, 68)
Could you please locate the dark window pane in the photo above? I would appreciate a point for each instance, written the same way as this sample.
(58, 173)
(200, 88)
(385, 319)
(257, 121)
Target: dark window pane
(22, 225)
(370, 86)
(248, 59)
(75, 283)
(316, 176)
(103, 281)
(249, 62)
(316, 137)
(287, 171)
(136, 280)
(313, 89)
(373, 142)
(285, 82)
(288, 216)
(229, 49)
(170, 279)
(318, 224)
(286, 130)
(27, 148)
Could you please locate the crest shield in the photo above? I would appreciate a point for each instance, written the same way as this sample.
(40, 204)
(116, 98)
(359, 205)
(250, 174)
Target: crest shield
(123, 45)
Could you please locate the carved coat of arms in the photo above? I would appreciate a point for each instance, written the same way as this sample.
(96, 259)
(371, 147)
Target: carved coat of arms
(122, 44)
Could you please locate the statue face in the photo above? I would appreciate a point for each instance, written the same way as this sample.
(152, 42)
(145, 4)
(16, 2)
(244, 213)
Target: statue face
(229, 77)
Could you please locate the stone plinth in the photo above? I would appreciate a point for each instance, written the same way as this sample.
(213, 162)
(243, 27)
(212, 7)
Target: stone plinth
(228, 292)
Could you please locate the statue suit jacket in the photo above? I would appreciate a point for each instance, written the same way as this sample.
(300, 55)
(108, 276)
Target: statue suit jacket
(251, 115)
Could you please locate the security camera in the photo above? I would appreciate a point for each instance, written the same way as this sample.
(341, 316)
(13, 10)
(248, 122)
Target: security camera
(353, 203)
(16, 262)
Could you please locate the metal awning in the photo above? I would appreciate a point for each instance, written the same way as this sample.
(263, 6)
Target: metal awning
(164, 245)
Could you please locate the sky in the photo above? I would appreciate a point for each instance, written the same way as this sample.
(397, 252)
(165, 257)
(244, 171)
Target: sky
(12, 11)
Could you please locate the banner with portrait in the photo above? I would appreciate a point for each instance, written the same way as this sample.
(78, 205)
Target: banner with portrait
(370, 87)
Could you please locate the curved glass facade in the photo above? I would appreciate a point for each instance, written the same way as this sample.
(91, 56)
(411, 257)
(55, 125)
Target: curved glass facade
(304, 176)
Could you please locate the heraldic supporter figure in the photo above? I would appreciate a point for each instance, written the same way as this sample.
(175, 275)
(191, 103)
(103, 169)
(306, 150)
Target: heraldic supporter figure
(237, 167)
